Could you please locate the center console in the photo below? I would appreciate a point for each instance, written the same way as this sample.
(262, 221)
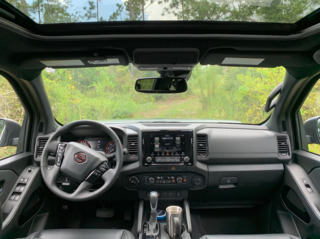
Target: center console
(167, 165)
(172, 220)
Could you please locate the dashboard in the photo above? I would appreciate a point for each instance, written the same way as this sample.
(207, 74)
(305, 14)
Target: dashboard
(209, 162)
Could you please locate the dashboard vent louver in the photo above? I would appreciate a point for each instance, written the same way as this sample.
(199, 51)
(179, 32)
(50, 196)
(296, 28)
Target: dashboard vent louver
(202, 146)
(133, 146)
(41, 143)
(283, 147)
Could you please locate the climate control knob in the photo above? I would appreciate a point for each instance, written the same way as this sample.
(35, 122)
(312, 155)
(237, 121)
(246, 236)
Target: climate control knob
(151, 180)
(186, 159)
(179, 180)
(149, 159)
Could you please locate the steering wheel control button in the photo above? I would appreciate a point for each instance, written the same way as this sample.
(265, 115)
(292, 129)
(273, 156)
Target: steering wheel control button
(60, 154)
(93, 176)
(97, 173)
(80, 157)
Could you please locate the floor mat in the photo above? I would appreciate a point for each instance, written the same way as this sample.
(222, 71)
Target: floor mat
(85, 217)
(228, 221)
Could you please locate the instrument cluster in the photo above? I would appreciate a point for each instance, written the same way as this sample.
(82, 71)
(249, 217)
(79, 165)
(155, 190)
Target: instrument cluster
(106, 145)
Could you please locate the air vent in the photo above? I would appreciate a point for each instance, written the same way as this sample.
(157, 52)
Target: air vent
(283, 147)
(133, 146)
(41, 143)
(202, 146)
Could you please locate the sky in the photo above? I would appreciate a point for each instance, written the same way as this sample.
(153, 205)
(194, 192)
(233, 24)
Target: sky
(153, 12)
(107, 7)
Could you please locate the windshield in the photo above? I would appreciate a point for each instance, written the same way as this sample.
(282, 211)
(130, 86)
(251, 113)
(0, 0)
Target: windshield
(68, 11)
(233, 94)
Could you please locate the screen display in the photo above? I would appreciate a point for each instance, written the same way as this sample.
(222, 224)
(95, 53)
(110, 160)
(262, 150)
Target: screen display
(167, 146)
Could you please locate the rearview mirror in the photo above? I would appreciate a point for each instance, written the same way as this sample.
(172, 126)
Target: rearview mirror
(312, 130)
(9, 132)
(161, 85)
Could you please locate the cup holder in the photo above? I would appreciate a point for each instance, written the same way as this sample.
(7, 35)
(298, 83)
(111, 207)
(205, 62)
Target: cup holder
(165, 228)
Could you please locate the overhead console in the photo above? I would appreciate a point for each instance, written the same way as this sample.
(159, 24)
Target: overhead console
(167, 147)
(181, 59)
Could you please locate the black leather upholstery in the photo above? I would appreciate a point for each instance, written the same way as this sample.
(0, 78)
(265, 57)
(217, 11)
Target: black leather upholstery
(256, 236)
(82, 234)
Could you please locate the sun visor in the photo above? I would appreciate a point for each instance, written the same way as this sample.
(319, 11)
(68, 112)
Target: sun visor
(166, 59)
(256, 59)
(65, 60)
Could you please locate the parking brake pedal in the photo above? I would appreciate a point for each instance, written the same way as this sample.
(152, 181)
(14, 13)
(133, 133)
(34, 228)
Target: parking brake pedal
(105, 213)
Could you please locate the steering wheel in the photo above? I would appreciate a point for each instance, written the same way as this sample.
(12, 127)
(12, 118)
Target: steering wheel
(81, 163)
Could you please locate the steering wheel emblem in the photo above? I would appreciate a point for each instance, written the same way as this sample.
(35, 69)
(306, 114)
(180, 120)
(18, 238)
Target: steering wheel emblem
(80, 157)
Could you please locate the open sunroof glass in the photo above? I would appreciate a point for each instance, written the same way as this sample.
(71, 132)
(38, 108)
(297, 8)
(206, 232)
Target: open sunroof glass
(73, 11)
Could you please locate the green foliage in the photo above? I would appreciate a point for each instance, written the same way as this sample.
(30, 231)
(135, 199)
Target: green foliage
(90, 10)
(10, 108)
(224, 93)
(240, 10)
(50, 11)
(311, 107)
(134, 10)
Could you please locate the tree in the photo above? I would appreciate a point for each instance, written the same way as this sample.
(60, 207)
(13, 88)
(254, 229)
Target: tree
(210, 10)
(240, 10)
(287, 11)
(117, 15)
(134, 10)
(20, 4)
(37, 8)
(54, 12)
(98, 10)
(90, 10)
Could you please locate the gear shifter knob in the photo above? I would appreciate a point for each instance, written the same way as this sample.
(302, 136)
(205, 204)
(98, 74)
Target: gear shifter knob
(154, 200)
(153, 213)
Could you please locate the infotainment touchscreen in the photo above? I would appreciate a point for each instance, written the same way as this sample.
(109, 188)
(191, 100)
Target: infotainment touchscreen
(172, 147)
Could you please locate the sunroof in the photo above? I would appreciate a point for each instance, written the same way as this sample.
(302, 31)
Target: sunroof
(71, 11)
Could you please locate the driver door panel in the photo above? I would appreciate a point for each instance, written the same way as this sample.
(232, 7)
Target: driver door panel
(17, 201)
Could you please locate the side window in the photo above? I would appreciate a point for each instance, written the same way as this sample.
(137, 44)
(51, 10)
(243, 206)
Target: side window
(310, 113)
(11, 117)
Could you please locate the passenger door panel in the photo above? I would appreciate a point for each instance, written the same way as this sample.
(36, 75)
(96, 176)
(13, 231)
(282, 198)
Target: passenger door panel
(302, 199)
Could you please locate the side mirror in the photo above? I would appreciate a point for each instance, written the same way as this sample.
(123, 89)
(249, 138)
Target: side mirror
(312, 129)
(161, 85)
(9, 132)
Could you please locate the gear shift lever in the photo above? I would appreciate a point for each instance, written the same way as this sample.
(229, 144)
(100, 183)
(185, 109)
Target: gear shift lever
(153, 213)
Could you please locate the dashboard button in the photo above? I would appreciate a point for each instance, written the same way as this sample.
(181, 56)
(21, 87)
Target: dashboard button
(134, 181)
(151, 180)
(179, 180)
(197, 181)
(186, 159)
(149, 159)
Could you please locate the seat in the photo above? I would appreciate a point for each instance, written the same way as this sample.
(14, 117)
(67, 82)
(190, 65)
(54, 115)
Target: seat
(82, 234)
(253, 236)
